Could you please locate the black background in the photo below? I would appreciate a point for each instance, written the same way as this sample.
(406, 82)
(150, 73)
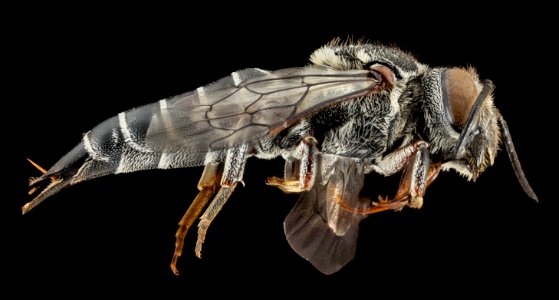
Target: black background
(72, 70)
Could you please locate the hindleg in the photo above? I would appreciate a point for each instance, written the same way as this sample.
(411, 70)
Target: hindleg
(207, 185)
(223, 175)
(233, 170)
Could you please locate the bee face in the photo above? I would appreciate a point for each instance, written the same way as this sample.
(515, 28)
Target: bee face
(467, 140)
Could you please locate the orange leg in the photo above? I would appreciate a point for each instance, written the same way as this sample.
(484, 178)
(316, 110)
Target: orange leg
(418, 174)
(207, 186)
(226, 175)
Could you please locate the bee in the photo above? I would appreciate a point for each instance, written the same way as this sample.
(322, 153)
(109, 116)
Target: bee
(357, 108)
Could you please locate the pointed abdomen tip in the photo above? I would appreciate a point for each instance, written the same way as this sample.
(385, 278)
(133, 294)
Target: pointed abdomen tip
(25, 209)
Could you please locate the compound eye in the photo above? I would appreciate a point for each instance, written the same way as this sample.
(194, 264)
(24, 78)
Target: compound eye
(459, 95)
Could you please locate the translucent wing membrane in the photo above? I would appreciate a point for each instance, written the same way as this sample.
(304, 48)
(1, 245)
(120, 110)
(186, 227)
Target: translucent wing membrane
(248, 105)
(317, 228)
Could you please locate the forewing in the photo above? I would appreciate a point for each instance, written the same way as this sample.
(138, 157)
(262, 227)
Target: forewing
(317, 228)
(248, 105)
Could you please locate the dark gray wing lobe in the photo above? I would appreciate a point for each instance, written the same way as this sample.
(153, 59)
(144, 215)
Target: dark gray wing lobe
(317, 228)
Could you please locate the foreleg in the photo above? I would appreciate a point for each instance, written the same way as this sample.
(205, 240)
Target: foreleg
(418, 174)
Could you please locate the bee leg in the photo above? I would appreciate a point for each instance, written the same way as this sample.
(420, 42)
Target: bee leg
(418, 174)
(207, 186)
(395, 161)
(299, 173)
(233, 170)
(413, 188)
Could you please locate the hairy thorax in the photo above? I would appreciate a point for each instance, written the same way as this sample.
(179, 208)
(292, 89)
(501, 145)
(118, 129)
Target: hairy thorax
(361, 128)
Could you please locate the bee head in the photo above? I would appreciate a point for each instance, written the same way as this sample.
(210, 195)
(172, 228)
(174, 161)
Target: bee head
(463, 125)
(461, 119)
